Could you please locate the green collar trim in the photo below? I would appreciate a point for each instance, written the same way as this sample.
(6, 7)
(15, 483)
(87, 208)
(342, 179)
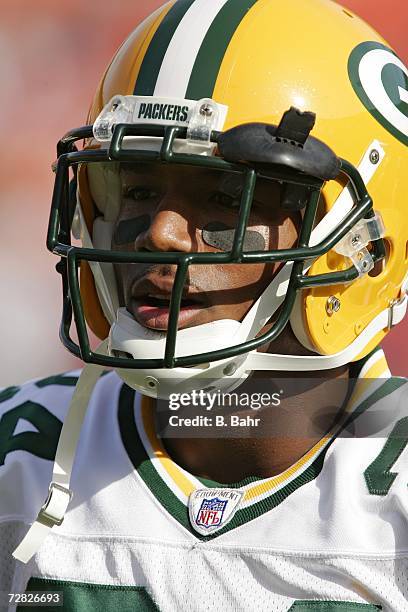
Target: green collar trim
(179, 510)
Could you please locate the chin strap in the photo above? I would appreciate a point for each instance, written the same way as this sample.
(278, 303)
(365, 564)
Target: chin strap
(59, 494)
(385, 320)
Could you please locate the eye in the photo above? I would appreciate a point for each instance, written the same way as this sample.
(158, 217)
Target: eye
(140, 194)
(223, 199)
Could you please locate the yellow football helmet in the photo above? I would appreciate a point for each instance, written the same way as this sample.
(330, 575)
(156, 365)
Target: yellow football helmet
(236, 82)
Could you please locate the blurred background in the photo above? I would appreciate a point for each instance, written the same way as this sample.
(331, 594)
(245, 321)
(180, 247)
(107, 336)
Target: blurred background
(52, 55)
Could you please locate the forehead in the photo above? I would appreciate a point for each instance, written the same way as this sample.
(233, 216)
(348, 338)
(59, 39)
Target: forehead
(230, 182)
(162, 170)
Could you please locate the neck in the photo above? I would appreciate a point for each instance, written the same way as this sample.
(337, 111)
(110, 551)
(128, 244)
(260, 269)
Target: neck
(309, 407)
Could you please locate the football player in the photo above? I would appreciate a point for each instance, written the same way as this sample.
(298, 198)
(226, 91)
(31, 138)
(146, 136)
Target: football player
(230, 223)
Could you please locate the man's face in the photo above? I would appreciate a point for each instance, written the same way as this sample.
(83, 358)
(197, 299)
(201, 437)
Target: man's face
(190, 209)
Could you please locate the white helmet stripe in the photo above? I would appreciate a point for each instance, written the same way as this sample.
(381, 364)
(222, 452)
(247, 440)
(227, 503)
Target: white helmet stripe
(182, 51)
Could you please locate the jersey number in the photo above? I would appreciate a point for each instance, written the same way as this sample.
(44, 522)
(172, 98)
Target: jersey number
(378, 476)
(42, 443)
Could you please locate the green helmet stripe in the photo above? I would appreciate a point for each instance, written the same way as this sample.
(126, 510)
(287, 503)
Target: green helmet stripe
(152, 61)
(187, 50)
(211, 54)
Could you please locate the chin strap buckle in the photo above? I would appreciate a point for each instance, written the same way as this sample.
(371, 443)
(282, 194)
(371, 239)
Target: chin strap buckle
(55, 506)
(396, 311)
(398, 306)
(51, 514)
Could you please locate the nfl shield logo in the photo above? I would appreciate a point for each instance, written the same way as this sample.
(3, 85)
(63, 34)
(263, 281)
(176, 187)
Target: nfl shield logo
(210, 513)
(211, 509)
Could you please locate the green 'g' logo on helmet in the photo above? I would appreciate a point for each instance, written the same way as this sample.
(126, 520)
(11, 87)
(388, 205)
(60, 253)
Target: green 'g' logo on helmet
(380, 80)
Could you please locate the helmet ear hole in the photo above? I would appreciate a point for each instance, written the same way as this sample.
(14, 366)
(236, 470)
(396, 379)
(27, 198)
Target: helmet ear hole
(380, 265)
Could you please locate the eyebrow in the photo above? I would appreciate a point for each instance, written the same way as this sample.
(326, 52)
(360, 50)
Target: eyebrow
(139, 168)
(230, 183)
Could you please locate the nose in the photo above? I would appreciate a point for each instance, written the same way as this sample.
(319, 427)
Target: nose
(171, 229)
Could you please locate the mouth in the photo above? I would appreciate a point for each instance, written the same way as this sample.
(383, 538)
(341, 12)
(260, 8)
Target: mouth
(153, 311)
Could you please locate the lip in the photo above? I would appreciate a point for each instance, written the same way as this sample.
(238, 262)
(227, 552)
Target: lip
(156, 316)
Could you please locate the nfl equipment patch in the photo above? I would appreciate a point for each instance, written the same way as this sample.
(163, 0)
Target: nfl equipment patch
(211, 509)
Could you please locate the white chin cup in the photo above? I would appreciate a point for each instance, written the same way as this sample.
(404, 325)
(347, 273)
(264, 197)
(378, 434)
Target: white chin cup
(129, 338)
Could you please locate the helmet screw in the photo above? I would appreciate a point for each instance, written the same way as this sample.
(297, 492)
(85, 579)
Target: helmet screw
(374, 156)
(230, 369)
(355, 240)
(151, 382)
(332, 305)
(206, 110)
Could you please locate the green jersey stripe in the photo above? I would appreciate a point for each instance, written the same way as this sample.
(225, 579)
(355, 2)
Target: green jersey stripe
(167, 498)
(63, 381)
(249, 513)
(8, 393)
(141, 460)
(90, 597)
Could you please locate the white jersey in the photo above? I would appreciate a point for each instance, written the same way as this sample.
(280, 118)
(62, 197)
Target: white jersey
(329, 534)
